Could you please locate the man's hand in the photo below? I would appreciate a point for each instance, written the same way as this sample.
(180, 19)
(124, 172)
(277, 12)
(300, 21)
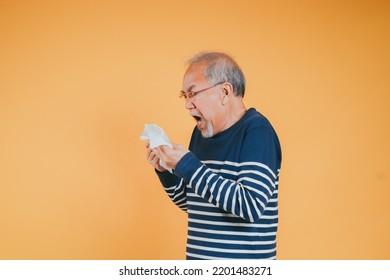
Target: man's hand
(153, 159)
(171, 156)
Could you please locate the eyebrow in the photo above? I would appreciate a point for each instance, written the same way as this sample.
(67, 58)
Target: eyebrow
(189, 89)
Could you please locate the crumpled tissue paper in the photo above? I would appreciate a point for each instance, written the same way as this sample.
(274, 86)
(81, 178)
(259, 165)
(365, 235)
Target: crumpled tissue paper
(156, 136)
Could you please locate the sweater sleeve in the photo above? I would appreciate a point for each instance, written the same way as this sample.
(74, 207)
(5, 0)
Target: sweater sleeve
(175, 188)
(256, 176)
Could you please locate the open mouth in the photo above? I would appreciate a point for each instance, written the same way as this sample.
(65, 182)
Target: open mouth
(197, 118)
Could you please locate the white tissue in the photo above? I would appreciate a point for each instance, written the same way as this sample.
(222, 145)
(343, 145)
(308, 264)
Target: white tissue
(156, 136)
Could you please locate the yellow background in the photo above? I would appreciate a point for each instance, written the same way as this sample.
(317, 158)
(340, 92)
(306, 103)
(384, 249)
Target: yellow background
(79, 79)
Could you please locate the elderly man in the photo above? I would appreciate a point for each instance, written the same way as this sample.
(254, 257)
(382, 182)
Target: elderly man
(227, 181)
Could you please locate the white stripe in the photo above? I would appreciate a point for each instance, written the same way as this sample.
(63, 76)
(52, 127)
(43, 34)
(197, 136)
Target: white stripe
(235, 173)
(220, 191)
(235, 164)
(204, 213)
(216, 258)
(227, 215)
(181, 200)
(212, 191)
(193, 194)
(240, 203)
(249, 208)
(216, 223)
(205, 189)
(225, 171)
(179, 194)
(258, 192)
(260, 174)
(199, 181)
(182, 205)
(257, 183)
(212, 249)
(269, 217)
(258, 212)
(224, 241)
(234, 202)
(225, 232)
(170, 188)
(203, 204)
(174, 187)
(194, 175)
(227, 198)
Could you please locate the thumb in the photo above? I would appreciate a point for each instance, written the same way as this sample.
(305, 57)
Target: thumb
(178, 147)
(160, 150)
(165, 148)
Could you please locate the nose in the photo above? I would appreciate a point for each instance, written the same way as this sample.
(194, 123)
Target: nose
(189, 104)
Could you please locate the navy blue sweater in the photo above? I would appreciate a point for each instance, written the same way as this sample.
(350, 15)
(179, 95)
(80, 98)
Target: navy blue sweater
(228, 185)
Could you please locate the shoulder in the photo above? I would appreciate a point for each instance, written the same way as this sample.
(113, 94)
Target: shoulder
(260, 129)
(261, 141)
(255, 120)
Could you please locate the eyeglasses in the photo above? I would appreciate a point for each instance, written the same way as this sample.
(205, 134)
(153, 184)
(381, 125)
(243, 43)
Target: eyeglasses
(191, 94)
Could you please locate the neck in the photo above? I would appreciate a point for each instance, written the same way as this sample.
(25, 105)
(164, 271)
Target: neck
(234, 113)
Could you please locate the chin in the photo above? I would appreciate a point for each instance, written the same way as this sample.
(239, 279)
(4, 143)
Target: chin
(208, 132)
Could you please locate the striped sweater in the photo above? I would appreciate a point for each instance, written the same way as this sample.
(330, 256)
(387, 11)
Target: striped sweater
(228, 185)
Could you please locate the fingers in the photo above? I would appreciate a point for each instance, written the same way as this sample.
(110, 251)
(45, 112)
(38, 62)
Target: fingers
(159, 153)
(162, 148)
(151, 156)
(149, 153)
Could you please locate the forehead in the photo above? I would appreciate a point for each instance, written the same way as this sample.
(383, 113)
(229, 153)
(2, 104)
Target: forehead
(194, 76)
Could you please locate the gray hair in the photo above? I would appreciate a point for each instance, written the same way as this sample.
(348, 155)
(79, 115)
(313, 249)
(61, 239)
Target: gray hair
(220, 67)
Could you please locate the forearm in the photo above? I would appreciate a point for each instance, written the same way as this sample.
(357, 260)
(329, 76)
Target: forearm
(175, 188)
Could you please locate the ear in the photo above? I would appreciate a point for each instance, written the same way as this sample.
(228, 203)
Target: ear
(226, 90)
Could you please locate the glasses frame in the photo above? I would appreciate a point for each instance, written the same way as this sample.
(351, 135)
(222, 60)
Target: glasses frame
(192, 94)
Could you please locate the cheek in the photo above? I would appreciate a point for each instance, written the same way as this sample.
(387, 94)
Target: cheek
(208, 109)
(205, 115)
(211, 115)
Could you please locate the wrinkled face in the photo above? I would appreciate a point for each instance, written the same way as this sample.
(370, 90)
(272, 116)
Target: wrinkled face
(205, 107)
